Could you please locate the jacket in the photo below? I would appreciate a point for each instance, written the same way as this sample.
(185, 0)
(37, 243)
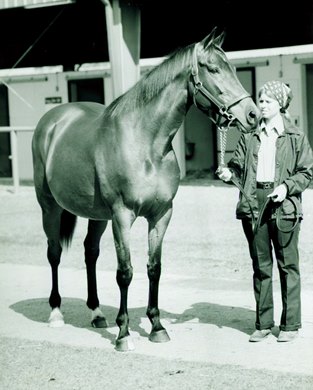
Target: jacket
(293, 167)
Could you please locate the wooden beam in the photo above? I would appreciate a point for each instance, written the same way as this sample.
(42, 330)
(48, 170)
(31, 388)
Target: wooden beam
(123, 33)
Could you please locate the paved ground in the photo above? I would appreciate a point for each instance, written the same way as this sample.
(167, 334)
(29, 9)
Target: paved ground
(209, 320)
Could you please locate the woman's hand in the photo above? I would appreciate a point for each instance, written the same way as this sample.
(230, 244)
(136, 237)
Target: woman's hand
(279, 194)
(224, 174)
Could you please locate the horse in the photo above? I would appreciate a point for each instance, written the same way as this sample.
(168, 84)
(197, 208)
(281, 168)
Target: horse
(116, 163)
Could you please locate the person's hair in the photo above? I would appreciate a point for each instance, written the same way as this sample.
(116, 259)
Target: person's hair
(283, 110)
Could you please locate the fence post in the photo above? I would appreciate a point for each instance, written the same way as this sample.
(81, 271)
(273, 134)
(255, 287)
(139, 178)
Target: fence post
(14, 159)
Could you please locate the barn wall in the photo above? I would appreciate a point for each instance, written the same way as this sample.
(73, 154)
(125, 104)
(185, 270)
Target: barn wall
(32, 93)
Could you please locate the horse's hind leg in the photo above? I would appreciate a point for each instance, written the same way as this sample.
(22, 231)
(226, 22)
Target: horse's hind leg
(121, 224)
(92, 244)
(157, 229)
(51, 223)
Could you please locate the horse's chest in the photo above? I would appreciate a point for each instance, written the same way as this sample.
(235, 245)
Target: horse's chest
(165, 176)
(151, 194)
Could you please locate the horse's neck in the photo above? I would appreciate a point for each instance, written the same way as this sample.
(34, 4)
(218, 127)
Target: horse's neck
(168, 110)
(155, 119)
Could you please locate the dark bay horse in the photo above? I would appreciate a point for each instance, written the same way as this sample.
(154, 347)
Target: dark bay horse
(117, 163)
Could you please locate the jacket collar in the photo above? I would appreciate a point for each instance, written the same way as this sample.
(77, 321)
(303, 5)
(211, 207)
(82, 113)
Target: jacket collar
(289, 128)
(277, 125)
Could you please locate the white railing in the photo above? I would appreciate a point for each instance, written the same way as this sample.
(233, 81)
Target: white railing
(13, 130)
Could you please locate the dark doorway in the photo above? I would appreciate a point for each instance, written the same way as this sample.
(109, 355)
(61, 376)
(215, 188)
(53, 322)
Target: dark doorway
(5, 148)
(309, 94)
(88, 90)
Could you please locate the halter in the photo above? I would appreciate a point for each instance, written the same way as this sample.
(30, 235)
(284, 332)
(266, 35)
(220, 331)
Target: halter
(223, 109)
(198, 87)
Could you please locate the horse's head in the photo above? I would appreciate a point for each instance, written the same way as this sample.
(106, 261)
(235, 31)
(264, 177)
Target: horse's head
(214, 80)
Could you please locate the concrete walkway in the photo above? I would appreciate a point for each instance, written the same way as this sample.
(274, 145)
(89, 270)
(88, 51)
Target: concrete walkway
(207, 320)
(206, 301)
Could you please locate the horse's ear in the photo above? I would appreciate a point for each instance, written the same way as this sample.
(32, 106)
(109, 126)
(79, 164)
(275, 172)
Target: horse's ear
(212, 40)
(220, 39)
(208, 40)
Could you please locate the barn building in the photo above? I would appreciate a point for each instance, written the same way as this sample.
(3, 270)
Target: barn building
(27, 93)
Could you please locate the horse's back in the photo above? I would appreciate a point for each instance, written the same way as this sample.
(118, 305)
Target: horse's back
(55, 124)
(56, 118)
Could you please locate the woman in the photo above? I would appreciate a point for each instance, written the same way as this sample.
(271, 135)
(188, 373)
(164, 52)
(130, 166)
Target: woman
(274, 164)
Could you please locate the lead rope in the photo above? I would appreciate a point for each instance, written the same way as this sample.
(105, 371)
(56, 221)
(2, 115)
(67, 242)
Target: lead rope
(222, 131)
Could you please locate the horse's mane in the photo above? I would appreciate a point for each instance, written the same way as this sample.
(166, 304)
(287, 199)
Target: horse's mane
(152, 82)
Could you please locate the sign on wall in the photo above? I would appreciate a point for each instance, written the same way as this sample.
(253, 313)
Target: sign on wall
(52, 101)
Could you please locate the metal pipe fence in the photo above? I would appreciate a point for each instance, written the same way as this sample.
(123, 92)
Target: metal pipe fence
(14, 130)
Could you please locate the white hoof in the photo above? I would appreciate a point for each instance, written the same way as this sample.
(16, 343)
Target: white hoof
(125, 344)
(98, 320)
(56, 319)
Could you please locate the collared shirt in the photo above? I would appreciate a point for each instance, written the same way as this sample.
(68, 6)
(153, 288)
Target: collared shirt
(267, 151)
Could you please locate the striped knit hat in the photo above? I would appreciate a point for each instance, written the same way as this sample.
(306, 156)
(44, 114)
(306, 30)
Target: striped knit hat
(280, 91)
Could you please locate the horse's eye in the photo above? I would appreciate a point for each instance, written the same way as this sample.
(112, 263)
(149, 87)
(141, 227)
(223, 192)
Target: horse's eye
(213, 69)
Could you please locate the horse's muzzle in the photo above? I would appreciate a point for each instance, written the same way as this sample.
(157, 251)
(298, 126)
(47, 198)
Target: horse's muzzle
(252, 115)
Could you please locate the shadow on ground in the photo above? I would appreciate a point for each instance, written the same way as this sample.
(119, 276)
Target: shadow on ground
(77, 314)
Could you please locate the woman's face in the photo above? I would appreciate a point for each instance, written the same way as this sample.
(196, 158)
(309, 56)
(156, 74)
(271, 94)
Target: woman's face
(269, 107)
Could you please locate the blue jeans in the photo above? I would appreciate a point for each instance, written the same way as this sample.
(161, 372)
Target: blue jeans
(287, 256)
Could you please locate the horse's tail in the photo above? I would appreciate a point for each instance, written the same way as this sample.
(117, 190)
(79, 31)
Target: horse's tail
(68, 223)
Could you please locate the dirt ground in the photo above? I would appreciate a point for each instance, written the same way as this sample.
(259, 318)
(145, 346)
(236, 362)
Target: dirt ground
(206, 300)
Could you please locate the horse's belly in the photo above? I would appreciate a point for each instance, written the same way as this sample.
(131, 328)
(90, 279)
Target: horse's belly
(79, 196)
(84, 206)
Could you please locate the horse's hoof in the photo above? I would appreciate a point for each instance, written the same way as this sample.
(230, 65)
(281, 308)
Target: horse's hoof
(98, 319)
(125, 344)
(100, 322)
(160, 336)
(56, 319)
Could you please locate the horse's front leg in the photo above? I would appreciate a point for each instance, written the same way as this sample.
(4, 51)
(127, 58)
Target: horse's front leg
(157, 229)
(121, 224)
(92, 245)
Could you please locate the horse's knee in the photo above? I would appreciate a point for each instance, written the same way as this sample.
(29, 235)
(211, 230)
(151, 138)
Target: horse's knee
(124, 277)
(154, 271)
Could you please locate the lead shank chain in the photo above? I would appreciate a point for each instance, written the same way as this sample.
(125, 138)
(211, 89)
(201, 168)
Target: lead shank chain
(223, 143)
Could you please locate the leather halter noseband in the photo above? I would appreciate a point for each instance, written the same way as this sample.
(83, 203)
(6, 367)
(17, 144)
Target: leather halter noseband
(198, 87)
